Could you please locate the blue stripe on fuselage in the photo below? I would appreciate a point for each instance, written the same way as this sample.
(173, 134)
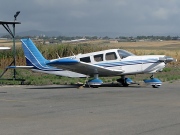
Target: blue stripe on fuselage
(125, 63)
(47, 68)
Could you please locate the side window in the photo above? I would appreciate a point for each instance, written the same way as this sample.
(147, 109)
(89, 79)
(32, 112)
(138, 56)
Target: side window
(111, 56)
(85, 59)
(98, 57)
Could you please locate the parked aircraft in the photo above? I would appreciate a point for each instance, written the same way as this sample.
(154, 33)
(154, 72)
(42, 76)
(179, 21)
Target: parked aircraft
(5, 48)
(112, 62)
(74, 41)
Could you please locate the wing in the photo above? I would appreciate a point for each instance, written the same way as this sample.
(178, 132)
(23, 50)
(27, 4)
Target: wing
(5, 48)
(85, 68)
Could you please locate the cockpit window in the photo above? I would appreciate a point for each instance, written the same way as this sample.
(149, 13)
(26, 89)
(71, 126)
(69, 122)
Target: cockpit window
(124, 54)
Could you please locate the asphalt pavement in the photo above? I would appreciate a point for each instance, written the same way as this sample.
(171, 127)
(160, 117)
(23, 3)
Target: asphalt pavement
(67, 110)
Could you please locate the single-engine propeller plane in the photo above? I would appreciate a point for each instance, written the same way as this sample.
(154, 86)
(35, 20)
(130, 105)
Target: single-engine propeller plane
(112, 62)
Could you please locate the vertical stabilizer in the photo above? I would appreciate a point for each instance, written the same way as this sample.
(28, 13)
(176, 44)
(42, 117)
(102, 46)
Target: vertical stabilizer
(32, 54)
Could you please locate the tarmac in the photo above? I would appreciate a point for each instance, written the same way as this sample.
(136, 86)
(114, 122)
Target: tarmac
(68, 110)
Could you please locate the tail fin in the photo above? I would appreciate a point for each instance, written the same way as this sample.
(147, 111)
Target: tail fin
(32, 54)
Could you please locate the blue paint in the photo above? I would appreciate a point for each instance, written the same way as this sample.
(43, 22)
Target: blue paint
(152, 81)
(35, 58)
(95, 82)
(129, 81)
(65, 61)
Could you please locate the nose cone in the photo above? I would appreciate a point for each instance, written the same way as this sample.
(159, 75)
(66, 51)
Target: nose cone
(169, 59)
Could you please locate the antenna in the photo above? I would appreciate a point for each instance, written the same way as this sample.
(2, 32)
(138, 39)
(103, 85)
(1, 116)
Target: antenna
(58, 55)
(73, 53)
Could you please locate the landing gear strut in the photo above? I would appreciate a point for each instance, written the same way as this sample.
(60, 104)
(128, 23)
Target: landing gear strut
(152, 76)
(125, 81)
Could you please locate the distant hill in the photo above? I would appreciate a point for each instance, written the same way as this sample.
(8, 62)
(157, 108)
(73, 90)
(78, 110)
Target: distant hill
(35, 33)
(39, 33)
(68, 34)
(73, 34)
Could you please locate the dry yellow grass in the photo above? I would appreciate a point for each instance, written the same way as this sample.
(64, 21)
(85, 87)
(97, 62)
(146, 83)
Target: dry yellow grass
(169, 48)
(148, 44)
(9, 43)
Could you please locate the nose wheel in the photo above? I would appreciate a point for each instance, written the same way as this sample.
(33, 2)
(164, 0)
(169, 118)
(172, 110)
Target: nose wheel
(154, 82)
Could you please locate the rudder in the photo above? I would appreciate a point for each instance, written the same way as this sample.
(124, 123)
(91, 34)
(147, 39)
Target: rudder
(32, 54)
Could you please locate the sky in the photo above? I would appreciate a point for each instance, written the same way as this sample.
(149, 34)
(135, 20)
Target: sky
(124, 17)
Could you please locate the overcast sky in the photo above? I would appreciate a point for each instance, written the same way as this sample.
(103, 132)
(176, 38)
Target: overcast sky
(127, 17)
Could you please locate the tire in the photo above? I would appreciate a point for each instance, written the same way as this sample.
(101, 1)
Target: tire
(155, 86)
(94, 86)
(123, 82)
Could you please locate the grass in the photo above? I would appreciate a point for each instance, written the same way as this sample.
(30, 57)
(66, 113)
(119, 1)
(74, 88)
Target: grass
(169, 48)
(33, 78)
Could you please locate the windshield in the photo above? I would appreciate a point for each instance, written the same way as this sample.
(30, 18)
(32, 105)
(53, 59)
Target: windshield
(124, 54)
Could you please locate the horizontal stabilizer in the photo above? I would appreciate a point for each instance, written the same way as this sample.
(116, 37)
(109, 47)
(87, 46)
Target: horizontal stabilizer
(21, 67)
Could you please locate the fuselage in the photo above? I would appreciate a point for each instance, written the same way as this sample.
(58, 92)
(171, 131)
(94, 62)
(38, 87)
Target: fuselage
(118, 59)
(112, 62)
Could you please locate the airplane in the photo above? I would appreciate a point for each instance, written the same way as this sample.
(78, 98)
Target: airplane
(5, 48)
(112, 62)
(74, 41)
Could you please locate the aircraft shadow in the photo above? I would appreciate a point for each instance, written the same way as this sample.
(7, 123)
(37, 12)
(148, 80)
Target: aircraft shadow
(80, 86)
(54, 87)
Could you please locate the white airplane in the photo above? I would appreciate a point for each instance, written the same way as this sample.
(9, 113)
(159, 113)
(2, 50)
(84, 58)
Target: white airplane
(112, 62)
(75, 40)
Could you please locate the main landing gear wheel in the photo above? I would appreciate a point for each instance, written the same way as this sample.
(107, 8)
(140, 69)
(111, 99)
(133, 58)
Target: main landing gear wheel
(95, 82)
